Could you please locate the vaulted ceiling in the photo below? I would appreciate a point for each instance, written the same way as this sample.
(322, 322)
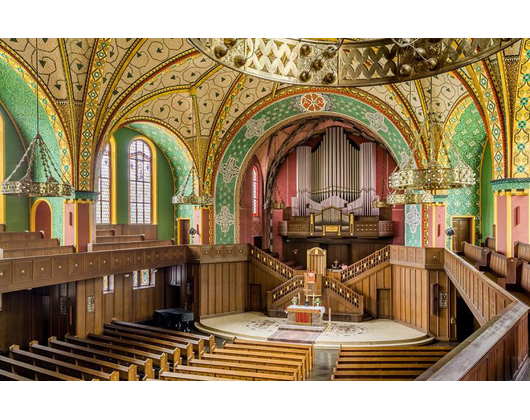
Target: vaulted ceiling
(96, 85)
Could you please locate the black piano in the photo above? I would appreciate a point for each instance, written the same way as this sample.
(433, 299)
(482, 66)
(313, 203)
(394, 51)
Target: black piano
(174, 319)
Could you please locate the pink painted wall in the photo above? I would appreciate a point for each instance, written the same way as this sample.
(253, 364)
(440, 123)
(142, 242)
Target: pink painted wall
(439, 227)
(277, 243)
(286, 178)
(43, 219)
(519, 231)
(69, 224)
(501, 224)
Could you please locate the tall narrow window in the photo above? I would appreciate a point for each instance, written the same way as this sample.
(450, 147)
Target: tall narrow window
(255, 192)
(140, 182)
(103, 203)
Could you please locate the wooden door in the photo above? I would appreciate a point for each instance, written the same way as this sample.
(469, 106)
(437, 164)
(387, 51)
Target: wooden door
(184, 231)
(255, 297)
(383, 303)
(462, 228)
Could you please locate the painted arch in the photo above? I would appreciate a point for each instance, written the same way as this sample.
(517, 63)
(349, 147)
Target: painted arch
(264, 121)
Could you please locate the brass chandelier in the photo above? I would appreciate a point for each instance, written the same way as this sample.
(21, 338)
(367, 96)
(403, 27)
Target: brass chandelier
(347, 62)
(196, 197)
(54, 183)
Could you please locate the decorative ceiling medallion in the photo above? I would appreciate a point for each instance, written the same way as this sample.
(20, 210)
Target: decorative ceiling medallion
(255, 128)
(229, 170)
(347, 62)
(313, 102)
(225, 219)
(413, 219)
(377, 121)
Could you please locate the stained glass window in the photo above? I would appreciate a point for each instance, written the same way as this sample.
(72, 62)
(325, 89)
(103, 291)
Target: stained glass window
(103, 203)
(255, 191)
(143, 278)
(108, 284)
(140, 182)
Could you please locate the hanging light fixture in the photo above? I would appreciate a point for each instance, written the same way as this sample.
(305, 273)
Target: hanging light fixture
(442, 170)
(195, 198)
(54, 184)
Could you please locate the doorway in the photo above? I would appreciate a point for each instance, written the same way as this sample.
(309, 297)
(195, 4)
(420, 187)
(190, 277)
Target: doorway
(383, 303)
(184, 231)
(465, 320)
(41, 218)
(463, 227)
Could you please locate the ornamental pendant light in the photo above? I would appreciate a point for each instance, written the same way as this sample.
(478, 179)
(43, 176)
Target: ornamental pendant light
(195, 198)
(54, 184)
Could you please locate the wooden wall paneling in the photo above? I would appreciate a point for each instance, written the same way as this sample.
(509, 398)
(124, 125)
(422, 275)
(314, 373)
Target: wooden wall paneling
(234, 273)
(226, 287)
(81, 309)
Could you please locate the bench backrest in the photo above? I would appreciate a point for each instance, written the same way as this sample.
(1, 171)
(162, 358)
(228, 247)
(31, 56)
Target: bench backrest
(525, 278)
(475, 253)
(489, 242)
(522, 251)
(498, 264)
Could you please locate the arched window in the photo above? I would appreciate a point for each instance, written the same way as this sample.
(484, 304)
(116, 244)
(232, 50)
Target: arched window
(103, 203)
(140, 177)
(255, 192)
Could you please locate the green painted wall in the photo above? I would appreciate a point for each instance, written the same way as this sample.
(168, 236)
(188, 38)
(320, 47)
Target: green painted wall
(486, 194)
(17, 208)
(166, 225)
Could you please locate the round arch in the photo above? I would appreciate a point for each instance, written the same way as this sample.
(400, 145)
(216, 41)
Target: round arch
(20, 101)
(41, 217)
(264, 121)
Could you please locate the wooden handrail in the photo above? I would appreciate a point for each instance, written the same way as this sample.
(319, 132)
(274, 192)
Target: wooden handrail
(271, 263)
(502, 318)
(367, 263)
(285, 288)
(344, 292)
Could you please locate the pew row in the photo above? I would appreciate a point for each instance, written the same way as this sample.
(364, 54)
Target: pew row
(231, 374)
(31, 371)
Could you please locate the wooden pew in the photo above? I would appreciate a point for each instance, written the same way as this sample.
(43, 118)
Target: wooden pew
(129, 245)
(32, 372)
(21, 236)
(36, 252)
(144, 366)
(522, 251)
(475, 255)
(173, 376)
(159, 359)
(392, 353)
(127, 373)
(185, 349)
(103, 233)
(489, 242)
(265, 355)
(387, 359)
(60, 366)
(231, 374)
(395, 348)
(309, 348)
(256, 361)
(32, 243)
(198, 345)
(9, 376)
(120, 238)
(173, 354)
(503, 270)
(210, 340)
(279, 350)
(246, 367)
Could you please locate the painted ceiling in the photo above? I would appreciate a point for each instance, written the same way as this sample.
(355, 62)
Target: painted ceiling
(92, 86)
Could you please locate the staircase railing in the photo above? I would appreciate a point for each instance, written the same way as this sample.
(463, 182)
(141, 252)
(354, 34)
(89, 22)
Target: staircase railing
(344, 292)
(272, 263)
(366, 264)
(285, 288)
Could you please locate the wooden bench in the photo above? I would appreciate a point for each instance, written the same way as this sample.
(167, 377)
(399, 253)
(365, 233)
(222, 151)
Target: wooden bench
(120, 238)
(144, 366)
(246, 367)
(173, 376)
(197, 345)
(522, 251)
(309, 348)
(209, 340)
(355, 375)
(126, 373)
(36, 252)
(9, 376)
(397, 348)
(475, 255)
(387, 359)
(279, 350)
(21, 236)
(86, 374)
(172, 354)
(489, 242)
(92, 247)
(256, 361)
(186, 349)
(264, 355)
(231, 374)
(32, 372)
(159, 359)
(503, 270)
(392, 353)
(33, 243)
(104, 233)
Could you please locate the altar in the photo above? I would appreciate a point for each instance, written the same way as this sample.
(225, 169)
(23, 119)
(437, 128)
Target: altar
(305, 315)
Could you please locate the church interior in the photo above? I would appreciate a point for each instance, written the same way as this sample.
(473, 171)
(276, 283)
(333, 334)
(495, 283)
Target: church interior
(264, 209)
